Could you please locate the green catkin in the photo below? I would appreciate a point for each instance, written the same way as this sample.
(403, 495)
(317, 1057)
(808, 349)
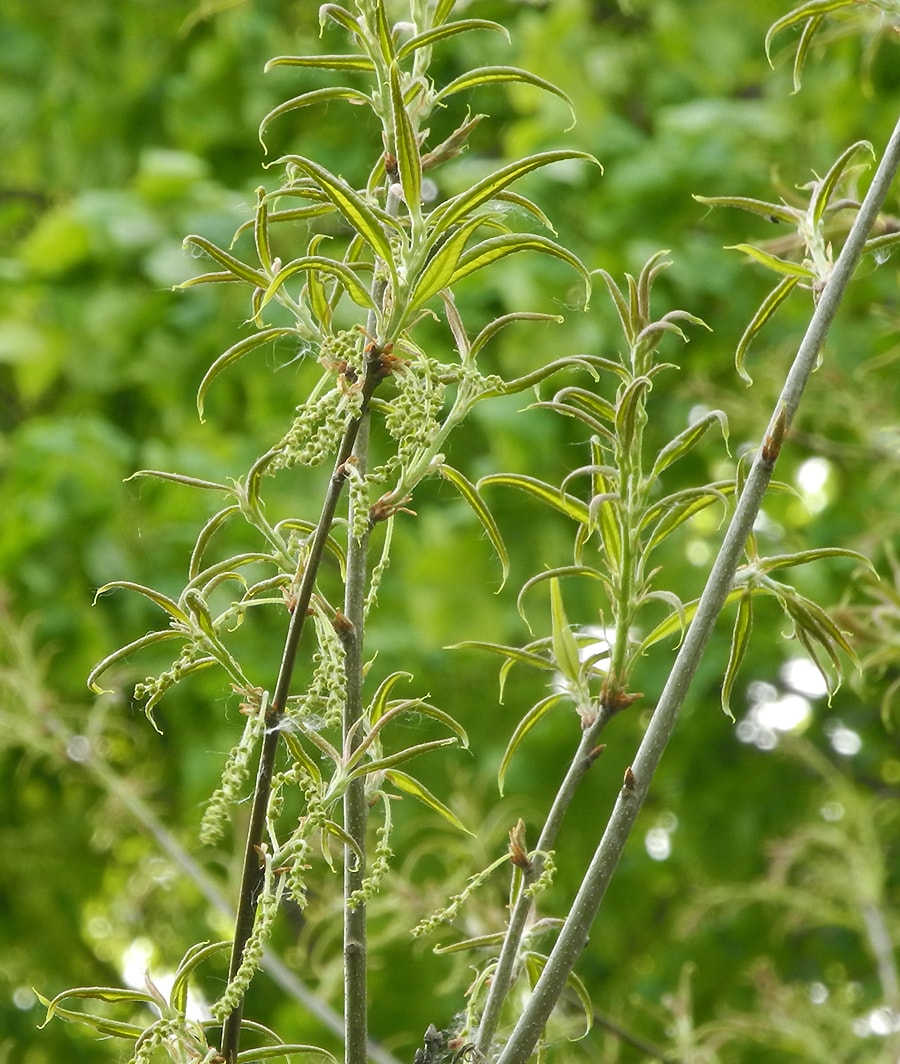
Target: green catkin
(234, 776)
(266, 911)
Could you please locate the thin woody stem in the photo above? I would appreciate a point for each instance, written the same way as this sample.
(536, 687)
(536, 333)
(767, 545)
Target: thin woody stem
(574, 933)
(252, 872)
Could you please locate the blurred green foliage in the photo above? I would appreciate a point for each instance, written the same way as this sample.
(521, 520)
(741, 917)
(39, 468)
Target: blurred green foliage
(125, 127)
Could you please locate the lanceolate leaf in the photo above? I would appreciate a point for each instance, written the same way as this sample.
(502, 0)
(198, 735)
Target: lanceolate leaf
(323, 62)
(282, 1049)
(347, 278)
(407, 147)
(239, 270)
(342, 17)
(825, 188)
(457, 208)
(440, 33)
(470, 493)
(767, 308)
(776, 212)
(565, 647)
(409, 785)
(773, 262)
(802, 557)
(531, 718)
(740, 639)
(810, 10)
(498, 247)
(123, 653)
(235, 352)
(163, 601)
(685, 441)
(440, 268)
(309, 99)
(493, 74)
(566, 504)
(361, 216)
(675, 509)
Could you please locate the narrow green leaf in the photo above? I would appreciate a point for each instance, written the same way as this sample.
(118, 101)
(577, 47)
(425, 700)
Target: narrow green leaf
(806, 39)
(180, 478)
(478, 942)
(122, 653)
(498, 247)
(629, 327)
(383, 30)
(603, 514)
(440, 33)
(345, 276)
(802, 557)
(409, 785)
(470, 493)
(549, 574)
(99, 1024)
(766, 309)
(512, 654)
(773, 262)
(631, 414)
(687, 439)
(406, 145)
(379, 702)
(493, 75)
(800, 14)
(681, 506)
(359, 63)
(361, 216)
(492, 328)
(565, 647)
(192, 960)
(823, 190)
(311, 99)
(157, 597)
(525, 725)
(564, 503)
(530, 380)
(379, 764)
(342, 17)
(112, 994)
(454, 210)
(282, 1049)
(772, 211)
(233, 354)
(261, 229)
(740, 640)
(240, 270)
(439, 269)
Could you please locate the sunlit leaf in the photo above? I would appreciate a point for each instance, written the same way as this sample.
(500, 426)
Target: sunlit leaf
(345, 276)
(823, 190)
(282, 1049)
(498, 247)
(440, 33)
(470, 493)
(240, 270)
(310, 99)
(564, 503)
(525, 725)
(233, 354)
(565, 648)
(361, 216)
(679, 507)
(740, 640)
(687, 439)
(406, 146)
(492, 75)
(192, 960)
(766, 309)
(773, 262)
(409, 785)
(813, 9)
(773, 212)
(360, 63)
(459, 207)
